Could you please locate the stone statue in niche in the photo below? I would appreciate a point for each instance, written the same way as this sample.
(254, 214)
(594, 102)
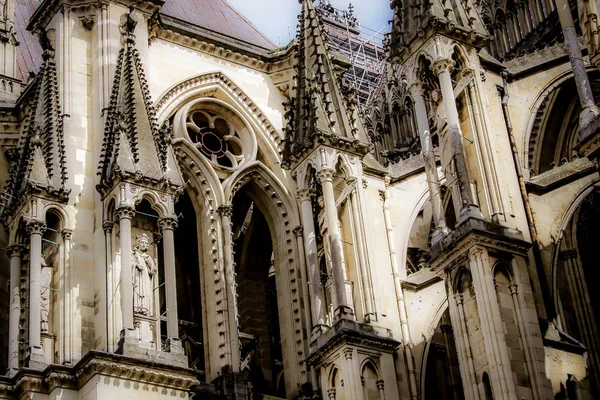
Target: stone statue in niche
(144, 269)
(45, 283)
(438, 110)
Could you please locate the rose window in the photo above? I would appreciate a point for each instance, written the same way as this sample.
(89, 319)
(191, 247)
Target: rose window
(215, 138)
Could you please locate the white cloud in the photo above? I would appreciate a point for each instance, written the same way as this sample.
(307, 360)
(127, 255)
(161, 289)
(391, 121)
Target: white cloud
(278, 18)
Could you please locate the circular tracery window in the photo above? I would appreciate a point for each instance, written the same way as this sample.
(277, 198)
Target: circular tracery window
(215, 138)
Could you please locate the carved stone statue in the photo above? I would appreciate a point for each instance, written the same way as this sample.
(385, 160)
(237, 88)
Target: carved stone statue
(588, 17)
(438, 109)
(45, 283)
(144, 269)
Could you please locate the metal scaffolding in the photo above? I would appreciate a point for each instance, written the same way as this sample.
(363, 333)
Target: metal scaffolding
(362, 46)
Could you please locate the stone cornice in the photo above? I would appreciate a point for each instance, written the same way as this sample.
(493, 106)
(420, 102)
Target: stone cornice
(451, 250)
(98, 363)
(48, 8)
(221, 46)
(354, 333)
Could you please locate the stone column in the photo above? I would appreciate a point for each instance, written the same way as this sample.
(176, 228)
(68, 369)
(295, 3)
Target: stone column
(167, 226)
(325, 177)
(226, 211)
(67, 286)
(589, 110)
(35, 229)
(469, 207)
(310, 242)
(469, 379)
(14, 252)
(431, 173)
(496, 350)
(353, 389)
(108, 227)
(381, 389)
(125, 214)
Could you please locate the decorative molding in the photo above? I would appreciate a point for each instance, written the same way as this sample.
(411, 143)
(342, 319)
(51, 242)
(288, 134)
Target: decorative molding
(225, 210)
(232, 89)
(97, 363)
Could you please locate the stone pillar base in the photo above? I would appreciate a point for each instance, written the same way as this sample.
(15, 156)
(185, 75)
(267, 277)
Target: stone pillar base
(344, 312)
(36, 358)
(131, 346)
(468, 212)
(317, 331)
(174, 346)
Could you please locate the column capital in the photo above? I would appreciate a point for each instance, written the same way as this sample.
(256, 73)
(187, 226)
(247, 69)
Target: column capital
(568, 254)
(325, 175)
(167, 223)
(513, 288)
(380, 384)
(305, 194)
(125, 212)
(67, 234)
(416, 88)
(442, 65)
(15, 250)
(458, 297)
(298, 231)
(331, 394)
(36, 227)
(108, 226)
(348, 354)
(225, 210)
(446, 328)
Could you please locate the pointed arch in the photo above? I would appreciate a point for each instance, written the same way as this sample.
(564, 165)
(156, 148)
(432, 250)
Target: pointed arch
(279, 210)
(218, 85)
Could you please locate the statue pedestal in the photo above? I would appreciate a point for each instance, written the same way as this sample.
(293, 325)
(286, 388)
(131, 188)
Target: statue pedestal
(130, 345)
(145, 330)
(36, 358)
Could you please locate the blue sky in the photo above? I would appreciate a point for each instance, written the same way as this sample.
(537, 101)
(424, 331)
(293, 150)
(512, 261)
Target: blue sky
(277, 18)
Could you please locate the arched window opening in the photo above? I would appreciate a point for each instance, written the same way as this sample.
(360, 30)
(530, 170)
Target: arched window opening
(578, 302)
(370, 380)
(189, 300)
(337, 392)
(418, 252)
(555, 132)
(262, 356)
(51, 284)
(487, 387)
(442, 376)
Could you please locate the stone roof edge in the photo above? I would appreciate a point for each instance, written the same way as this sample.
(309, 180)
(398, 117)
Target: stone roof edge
(41, 15)
(219, 45)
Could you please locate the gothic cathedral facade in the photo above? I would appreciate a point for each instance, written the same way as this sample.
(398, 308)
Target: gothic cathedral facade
(191, 212)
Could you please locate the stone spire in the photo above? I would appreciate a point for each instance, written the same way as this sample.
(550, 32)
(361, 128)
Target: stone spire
(38, 164)
(9, 84)
(322, 108)
(134, 146)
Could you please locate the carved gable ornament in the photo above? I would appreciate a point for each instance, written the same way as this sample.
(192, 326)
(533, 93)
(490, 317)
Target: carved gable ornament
(38, 164)
(135, 147)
